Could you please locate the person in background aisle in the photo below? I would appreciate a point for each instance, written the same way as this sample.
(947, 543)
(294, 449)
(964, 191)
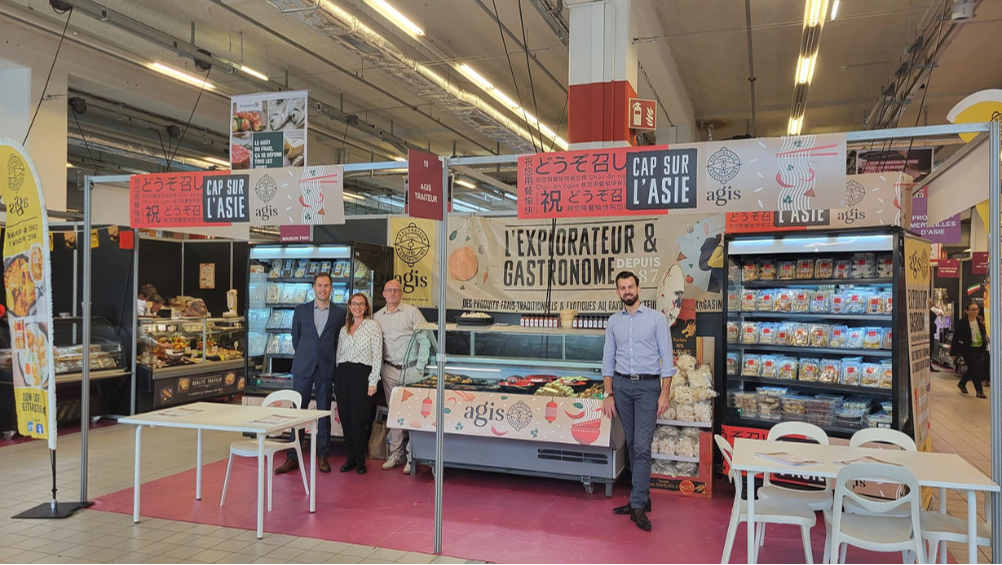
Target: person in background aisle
(155, 304)
(316, 327)
(145, 292)
(969, 341)
(398, 322)
(637, 367)
(359, 360)
(934, 313)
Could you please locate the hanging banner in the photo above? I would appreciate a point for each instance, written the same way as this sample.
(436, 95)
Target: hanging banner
(415, 261)
(262, 197)
(28, 281)
(917, 164)
(503, 264)
(946, 232)
(424, 185)
(268, 130)
(948, 268)
(979, 263)
(917, 290)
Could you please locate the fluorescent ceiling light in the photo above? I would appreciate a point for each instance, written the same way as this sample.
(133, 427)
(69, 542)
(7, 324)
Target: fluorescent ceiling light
(795, 125)
(351, 196)
(253, 73)
(182, 76)
(834, 8)
(400, 159)
(70, 165)
(814, 12)
(511, 196)
(465, 183)
(805, 69)
(216, 161)
(391, 13)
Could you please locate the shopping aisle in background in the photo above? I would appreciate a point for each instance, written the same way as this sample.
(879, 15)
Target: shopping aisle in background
(960, 424)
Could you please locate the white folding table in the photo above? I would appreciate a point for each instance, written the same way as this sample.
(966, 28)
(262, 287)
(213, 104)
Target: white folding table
(258, 420)
(934, 470)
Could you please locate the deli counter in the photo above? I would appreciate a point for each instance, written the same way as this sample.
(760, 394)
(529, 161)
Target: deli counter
(517, 400)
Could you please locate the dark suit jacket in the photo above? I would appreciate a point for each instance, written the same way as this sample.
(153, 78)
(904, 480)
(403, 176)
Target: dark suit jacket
(962, 338)
(314, 351)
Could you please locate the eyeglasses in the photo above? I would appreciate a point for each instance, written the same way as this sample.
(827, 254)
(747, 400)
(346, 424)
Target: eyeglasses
(359, 304)
(392, 290)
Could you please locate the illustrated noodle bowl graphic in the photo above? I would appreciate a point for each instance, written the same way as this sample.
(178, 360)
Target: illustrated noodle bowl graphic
(312, 199)
(586, 431)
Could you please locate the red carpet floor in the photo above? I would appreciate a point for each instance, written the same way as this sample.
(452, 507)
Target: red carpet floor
(487, 517)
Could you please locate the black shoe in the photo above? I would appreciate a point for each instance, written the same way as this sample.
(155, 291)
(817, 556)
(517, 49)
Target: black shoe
(639, 517)
(349, 465)
(981, 395)
(361, 470)
(625, 509)
(963, 388)
(933, 369)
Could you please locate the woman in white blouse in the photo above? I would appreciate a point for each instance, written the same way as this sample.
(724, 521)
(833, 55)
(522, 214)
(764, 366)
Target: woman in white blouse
(359, 362)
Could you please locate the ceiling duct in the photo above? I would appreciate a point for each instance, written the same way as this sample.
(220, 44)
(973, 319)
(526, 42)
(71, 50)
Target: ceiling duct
(344, 28)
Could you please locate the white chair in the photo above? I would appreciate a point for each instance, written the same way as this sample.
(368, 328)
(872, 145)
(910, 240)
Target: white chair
(939, 528)
(767, 511)
(248, 447)
(876, 531)
(817, 499)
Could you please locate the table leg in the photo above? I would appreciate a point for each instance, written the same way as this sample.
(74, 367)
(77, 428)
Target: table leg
(972, 526)
(137, 488)
(750, 525)
(942, 546)
(260, 486)
(313, 467)
(198, 464)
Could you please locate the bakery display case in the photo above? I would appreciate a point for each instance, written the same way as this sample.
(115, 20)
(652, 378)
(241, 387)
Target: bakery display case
(815, 332)
(189, 359)
(281, 278)
(518, 400)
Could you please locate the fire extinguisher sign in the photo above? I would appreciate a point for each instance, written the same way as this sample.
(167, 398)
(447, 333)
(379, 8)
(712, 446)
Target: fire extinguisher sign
(643, 114)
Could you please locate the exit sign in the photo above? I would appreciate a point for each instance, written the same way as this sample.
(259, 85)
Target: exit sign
(643, 114)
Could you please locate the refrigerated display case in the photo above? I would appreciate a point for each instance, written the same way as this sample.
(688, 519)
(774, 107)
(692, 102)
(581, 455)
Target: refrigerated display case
(281, 278)
(189, 359)
(816, 332)
(518, 400)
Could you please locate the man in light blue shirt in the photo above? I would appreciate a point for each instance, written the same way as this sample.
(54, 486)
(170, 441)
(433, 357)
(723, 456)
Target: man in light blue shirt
(637, 367)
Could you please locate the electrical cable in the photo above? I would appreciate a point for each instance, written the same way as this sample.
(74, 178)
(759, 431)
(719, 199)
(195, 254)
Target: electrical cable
(187, 125)
(532, 87)
(518, 94)
(46, 87)
(164, 149)
(561, 122)
(932, 67)
(86, 143)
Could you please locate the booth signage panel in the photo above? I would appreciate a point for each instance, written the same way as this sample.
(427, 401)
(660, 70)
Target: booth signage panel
(295, 234)
(946, 232)
(424, 185)
(268, 130)
(917, 291)
(948, 268)
(415, 259)
(979, 263)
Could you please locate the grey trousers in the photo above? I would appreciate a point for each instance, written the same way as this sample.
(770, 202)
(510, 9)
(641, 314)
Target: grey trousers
(637, 406)
(398, 438)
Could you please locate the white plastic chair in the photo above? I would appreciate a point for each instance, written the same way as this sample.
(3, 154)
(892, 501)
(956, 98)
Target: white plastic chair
(248, 447)
(767, 511)
(817, 499)
(939, 528)
(876, 531)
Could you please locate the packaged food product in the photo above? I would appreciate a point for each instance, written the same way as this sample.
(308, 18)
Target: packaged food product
(783, 332)
(874, 304)
(831, 370)
(820, 301)
(886, 339)
(276, 269)
(810, 370)
(325, 267)
(749, 270)
(734, 300)
(749, 299)
(787, 368)
(879, 420)
(855, 302)
(871, 338)
(885, 266)
(314, 269)
(787, 270)
(274, 293)
(821, 409)
(870, 375)
(301, 268)
(805, 269)
(887, 299)
(837, 302)
(287, 348)
(746, 403)
(838, 337)
(843, 269)
(767, 270)
(795, 407)
(784, 300)
(732, 332)
(749, 333)
(855, 338)
(819, 335)
(770, 402)
(801, 335)
(750, 365)
(852, 369)
(769, 366)
(864, 266)
(801, 300)
(288, 268)
(733, 272)
(824, 268)
(274, 344)
(767, 334)
(886, 375)
(766, 299)
(733, 363)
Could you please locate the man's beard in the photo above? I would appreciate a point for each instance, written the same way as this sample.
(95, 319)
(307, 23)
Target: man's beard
(630, 301)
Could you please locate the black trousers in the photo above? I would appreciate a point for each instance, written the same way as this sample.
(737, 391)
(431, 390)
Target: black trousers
(975, 368)
(351, 391)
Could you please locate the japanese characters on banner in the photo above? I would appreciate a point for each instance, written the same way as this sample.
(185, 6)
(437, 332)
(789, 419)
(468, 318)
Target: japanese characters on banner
(28, 281)
(415, 259)
(504, 265)
(917, 291)
(291, 196)
(424, 185)
(268, 130)
(755, 175)
(947, 231)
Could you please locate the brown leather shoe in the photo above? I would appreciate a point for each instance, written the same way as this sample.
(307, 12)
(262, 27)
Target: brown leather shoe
(324, 465)
(289, 465)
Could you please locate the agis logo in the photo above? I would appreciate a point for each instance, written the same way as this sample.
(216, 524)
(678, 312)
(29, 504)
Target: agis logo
(266, 212)
(722, 166)
(918, 263)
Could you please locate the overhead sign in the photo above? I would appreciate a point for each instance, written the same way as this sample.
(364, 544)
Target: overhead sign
(295, 234)
(261, 197)
(979, 263)
(947, 231)
(28, 282)
(268, 130)
(643, 114)
(749, 175)
(916, 163)
(424, 185)
(948, 268)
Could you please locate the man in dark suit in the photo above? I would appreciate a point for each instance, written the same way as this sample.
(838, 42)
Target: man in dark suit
(315, 329)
